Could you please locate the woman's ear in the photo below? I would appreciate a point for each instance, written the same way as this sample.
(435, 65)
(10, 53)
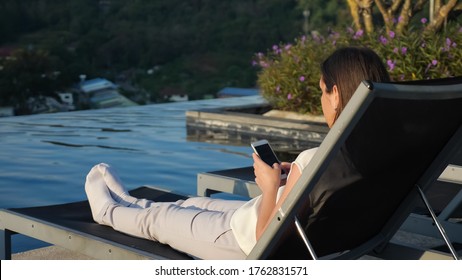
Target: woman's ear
(335, 98)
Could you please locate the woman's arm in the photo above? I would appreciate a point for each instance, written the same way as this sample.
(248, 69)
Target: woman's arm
(268, 180)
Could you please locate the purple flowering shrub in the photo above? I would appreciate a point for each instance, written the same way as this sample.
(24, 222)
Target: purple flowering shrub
(289, 74)
(417, 57)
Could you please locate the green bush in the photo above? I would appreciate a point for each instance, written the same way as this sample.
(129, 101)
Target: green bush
(289, 74)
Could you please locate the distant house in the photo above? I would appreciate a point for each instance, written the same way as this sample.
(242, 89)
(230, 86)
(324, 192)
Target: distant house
(237, 92)
(96, 84)
(47, 104)
(68, 99)
(103, 93)
(174, 94)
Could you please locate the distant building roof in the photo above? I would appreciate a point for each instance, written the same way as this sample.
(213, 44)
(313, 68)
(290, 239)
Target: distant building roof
(96, 84)
(237, 92)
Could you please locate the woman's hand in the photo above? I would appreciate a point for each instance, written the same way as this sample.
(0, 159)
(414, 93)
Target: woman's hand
(268, 178)
(286, 167)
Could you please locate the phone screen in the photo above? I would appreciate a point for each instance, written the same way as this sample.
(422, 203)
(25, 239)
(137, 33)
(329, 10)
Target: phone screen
(266, 154)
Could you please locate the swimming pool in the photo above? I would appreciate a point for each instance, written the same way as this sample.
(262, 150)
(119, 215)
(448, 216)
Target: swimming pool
(44, 158)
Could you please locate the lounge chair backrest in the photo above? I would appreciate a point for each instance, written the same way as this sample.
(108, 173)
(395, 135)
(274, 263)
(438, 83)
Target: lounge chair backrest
(362, 183)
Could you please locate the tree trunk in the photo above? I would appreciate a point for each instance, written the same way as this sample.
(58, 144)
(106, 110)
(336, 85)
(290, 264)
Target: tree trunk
(405, 15)
(419, 5)
(395, 6)
(354, 11)
(440, 17)
(437, 7)
(366, 7)
(387, 16)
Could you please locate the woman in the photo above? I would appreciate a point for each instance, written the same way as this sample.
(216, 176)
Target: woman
(208, 228)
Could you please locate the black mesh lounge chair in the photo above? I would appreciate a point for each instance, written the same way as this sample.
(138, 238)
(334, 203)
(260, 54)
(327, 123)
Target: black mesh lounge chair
(388, 146)
(405, 135)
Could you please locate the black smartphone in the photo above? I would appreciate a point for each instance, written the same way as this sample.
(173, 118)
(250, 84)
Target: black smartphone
(263, 149)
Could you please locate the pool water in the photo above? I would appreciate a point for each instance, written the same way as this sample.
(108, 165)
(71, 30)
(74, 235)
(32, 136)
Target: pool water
(44, 158)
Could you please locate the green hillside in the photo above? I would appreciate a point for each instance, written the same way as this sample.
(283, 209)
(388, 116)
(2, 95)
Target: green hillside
(195, 46)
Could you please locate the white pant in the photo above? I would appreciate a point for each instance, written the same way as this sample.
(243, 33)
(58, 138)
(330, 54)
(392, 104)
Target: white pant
(198, 226)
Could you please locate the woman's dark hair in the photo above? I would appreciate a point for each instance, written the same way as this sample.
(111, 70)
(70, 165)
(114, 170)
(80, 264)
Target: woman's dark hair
(347, 67)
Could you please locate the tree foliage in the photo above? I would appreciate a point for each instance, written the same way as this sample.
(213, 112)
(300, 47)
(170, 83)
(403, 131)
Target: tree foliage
(113, 38)
(28, 73)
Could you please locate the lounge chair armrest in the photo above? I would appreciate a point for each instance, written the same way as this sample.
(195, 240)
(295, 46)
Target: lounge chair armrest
(238, 181)
(452, 174)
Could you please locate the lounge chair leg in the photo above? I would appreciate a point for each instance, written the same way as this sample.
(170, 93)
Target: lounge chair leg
(438, 224)
(302, 234)
(5, 246)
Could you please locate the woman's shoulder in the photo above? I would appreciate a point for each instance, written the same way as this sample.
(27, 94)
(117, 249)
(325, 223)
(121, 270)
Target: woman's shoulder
(307, 154)
(305, 157)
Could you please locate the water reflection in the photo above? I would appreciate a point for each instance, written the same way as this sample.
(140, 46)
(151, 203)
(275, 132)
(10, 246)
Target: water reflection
(114, 130)
(45, 158)
(81, 146)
